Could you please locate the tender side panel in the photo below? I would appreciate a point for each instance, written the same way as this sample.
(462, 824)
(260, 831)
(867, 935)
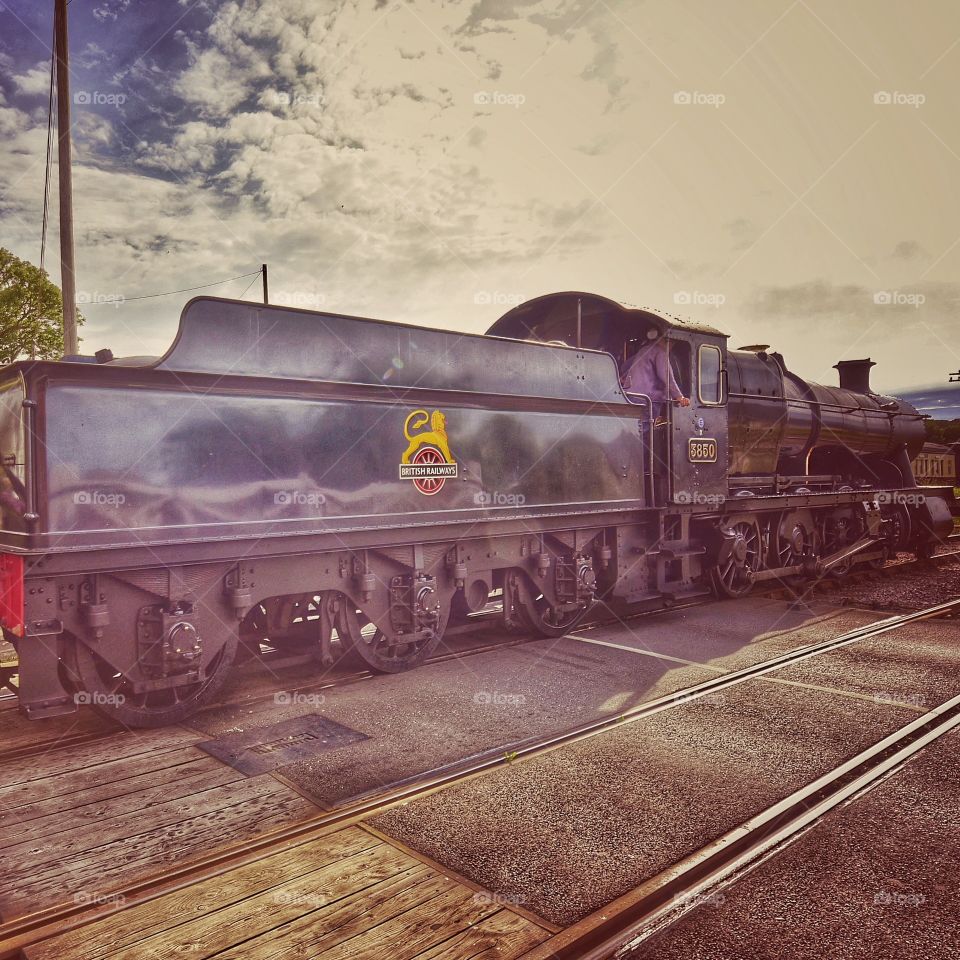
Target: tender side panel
(166, 464)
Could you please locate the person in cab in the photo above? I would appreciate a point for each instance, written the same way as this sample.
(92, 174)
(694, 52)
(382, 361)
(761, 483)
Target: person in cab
(649, 372)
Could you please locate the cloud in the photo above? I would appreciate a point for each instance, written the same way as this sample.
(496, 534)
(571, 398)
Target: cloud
(92, 55)
(36, 81)
(110, 10)
(342, 142)
(604, 66)
(908, 250)
(817, 300)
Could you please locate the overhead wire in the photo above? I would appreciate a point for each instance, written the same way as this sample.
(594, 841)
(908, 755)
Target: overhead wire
(250, 284)
(170, 293)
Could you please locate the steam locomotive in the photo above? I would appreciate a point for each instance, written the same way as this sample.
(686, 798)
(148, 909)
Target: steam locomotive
(334, 488)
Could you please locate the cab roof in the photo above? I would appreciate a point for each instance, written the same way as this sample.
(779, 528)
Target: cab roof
(552, 317)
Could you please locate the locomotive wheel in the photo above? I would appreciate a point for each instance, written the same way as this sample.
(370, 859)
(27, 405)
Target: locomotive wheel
(731, 577)
(380, 651)
(112, 695)
(793, 542)
(840, 529)
(898, 535)
(534, 612)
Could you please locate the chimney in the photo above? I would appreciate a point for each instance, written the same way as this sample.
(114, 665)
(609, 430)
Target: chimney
(855, 375)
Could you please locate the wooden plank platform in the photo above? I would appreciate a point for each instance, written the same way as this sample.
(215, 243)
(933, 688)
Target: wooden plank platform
(17, 732)
(350, 894)
(77, 822)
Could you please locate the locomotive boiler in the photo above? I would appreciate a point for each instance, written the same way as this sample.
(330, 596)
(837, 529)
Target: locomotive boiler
(340, 488)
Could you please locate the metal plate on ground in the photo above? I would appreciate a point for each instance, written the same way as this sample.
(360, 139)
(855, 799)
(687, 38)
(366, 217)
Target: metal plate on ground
(267, 748)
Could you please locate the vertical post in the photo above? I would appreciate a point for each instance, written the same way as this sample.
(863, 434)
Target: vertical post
(579, 323)
(67, 281)
(266, 292)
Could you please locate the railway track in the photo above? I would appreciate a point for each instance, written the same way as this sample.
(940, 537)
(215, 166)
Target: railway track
(478, 622)
(599, 935)
(624, 924)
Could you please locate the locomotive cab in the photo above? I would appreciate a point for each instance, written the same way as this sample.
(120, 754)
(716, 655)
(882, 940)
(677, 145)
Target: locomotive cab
(697, 449)
(687, 445)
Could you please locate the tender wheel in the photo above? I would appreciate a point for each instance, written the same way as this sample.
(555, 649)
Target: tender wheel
(533, 611)
(739, 559)
(285, 623)
(112, 694)
(380, 651)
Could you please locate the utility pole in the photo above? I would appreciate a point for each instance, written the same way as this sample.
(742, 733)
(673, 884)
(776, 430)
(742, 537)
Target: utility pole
(67, 283)
(263, 270)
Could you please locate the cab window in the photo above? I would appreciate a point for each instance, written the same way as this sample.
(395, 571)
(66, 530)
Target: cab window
(708, 379)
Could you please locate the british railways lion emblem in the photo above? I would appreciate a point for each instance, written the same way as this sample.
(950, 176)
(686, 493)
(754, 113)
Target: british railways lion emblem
(427, 461)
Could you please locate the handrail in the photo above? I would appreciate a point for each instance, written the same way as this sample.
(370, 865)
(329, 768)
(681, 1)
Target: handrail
(648, 445)
(845, 407)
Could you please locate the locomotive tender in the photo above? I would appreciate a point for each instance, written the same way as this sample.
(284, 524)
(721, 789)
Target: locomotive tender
(341, 487)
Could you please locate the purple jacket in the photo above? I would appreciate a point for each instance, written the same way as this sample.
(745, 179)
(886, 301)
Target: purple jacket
(649, 372)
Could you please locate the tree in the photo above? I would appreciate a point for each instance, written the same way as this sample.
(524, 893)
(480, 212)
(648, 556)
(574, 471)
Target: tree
(943, 431)
(31, 311)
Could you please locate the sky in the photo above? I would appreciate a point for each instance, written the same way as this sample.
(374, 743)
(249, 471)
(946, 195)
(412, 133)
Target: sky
(785, 170)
